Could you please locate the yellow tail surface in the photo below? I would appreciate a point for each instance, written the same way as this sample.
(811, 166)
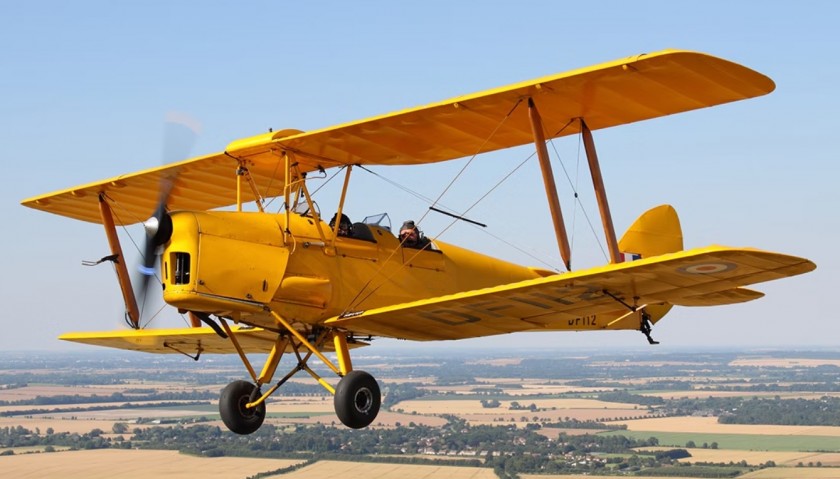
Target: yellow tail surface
(657, 231)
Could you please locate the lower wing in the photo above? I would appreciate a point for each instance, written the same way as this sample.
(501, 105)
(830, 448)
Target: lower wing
(598, 298)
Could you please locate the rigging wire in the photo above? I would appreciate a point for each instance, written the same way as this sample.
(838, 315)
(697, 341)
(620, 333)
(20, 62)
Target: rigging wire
(483, 230)
(577, 200)
(426, 213)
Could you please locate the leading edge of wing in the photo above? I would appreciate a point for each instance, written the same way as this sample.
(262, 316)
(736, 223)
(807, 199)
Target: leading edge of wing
(190, 341)
(565, 301)
(609, 94)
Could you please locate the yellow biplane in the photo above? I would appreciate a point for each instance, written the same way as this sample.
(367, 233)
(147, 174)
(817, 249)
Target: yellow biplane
(288, 282)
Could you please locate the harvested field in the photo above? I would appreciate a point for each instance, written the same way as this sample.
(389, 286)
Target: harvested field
(749, 394)
(711, 426)
(342, 470)
(31, 392)
(72, 409)
(139, 464)
(753, 458)
(798, 472)
(79, 426)
(785, 362)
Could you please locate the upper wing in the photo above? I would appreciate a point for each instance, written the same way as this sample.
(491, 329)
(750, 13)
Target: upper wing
(584, 299)
(185, 340)
(610, 94)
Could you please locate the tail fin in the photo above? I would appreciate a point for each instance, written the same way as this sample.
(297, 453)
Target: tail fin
(657, 231)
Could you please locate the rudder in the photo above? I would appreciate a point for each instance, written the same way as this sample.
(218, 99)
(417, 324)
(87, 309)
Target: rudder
(657, 231)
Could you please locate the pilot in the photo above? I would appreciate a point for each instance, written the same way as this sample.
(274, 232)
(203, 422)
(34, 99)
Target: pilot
(412, 237)
(345, 227)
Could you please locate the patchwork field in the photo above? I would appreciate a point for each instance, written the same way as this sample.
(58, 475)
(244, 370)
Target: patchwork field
(709, 425)
(781, 458)
(343, 470)
(784, 362)
(134, 464)
(798, 473)
(700, 394)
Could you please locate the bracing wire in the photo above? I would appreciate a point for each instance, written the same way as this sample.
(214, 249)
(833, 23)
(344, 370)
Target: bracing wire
(577, 200)
(426, 213)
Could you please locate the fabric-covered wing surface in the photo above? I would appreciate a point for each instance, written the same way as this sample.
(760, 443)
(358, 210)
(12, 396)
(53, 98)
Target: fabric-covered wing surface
(609, 94)
(700, 277)
(184, 340)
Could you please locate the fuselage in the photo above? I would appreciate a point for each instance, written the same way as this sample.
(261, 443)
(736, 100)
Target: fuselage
(237, 264)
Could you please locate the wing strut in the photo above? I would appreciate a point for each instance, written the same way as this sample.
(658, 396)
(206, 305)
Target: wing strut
(600, 193)
(122, 272)
(550, 187)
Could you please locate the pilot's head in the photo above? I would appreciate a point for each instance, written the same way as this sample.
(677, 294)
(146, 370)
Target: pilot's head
(408, 233)
(344, 226)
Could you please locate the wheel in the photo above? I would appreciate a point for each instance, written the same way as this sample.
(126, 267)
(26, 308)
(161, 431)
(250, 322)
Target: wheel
(235, 415)
(357, 399)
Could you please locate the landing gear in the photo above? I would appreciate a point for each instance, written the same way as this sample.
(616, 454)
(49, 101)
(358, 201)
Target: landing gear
(232, 407)
(357, 399)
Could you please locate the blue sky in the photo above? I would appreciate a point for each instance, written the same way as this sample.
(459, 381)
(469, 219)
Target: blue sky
(86, 85)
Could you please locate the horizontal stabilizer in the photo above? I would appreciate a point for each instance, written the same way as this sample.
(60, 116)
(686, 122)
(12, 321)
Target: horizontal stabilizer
(719, 298)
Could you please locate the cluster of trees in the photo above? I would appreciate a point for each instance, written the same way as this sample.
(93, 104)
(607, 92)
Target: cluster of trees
(18, 436)
(775, 411)
(623, 396)
(798, 412)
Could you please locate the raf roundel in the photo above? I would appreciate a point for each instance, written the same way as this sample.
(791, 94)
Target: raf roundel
(708, 268)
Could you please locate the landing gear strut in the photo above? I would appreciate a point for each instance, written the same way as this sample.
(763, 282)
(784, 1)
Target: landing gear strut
(356, 399)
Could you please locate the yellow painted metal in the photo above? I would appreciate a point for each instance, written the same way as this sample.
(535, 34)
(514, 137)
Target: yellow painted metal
(239, 349)
(341, 351)
(577, 301)
(657, 231)
(262, 398)
(609, 94)
(340, 209)
(313, 211)
(239, 188)
(320, 380)
(304, 341)
(600, 193)
(161, 341)
(122, 271)
(273, 360)
(550, 186)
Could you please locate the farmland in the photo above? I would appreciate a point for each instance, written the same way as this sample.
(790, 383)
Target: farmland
(470, 415)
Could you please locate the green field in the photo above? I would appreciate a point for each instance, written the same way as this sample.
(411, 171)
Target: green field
(746, 442)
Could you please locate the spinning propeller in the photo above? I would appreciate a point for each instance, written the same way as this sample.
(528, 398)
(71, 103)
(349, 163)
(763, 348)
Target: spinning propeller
(180, 133)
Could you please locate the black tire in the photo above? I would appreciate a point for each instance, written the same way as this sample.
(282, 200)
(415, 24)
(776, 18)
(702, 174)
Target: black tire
(235, 415)
(357, 399)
